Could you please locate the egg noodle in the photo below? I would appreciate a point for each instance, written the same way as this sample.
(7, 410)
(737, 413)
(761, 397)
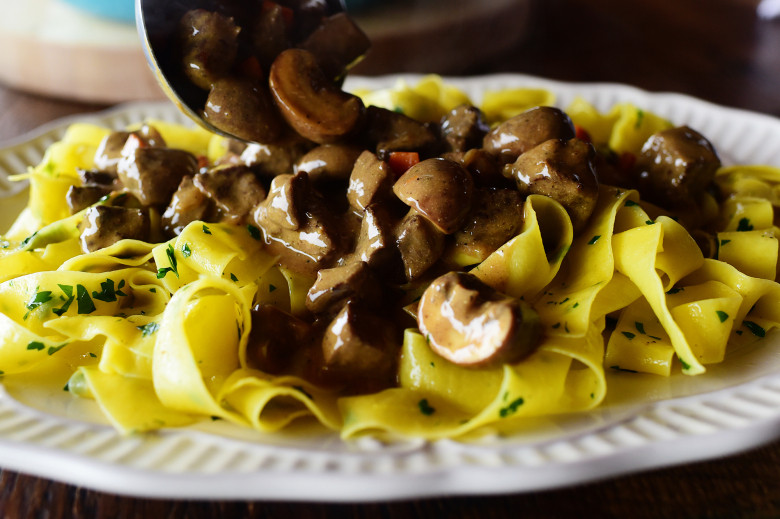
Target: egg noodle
(156, 333)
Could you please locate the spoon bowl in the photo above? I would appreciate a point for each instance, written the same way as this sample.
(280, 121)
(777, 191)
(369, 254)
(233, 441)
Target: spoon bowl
(156, 23)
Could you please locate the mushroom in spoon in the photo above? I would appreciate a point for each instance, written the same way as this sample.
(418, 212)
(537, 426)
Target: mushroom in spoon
(213, 57)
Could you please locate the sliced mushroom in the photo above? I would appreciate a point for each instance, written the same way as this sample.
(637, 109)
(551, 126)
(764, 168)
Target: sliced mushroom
(235, 190)
(209, 43)
(419, 243)
(119, 144)
(275, 339)
(269, 34)
(562, 170)
(355, 281)
(243, 108)
(153, 174)
(278, 158)
(312, 105)
(388, 131)
(338, 43)
(329, 162)
(496, 216)
(298, 227)
(375, 239)
(522, 132)
(360, 348)
(187, 205)
(470, 324)
(485, 169)
(676, 166)
(371, 181)
(439, 189)
(463, 128)
(81, 197)
(105, 225)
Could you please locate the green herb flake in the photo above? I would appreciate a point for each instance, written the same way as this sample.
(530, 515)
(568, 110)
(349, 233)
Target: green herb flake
(271, 287)
(722, 315)
(511, 408)
(84, 302)
(206, 230)
(630, 203)
(54, 349)
(36, 346)
(640, 327)
(68, 291)
(624, 370)
(744, 225)
(39, 299)
(594, 239)
(108, 294)
(186, 251)
(254, 232)
(754, 328)
(724, 242)
(674, 290)
(685, 365)
(92, 355)
(629, 335)
(425, 407)
(148, 329)
(640, 116)
(233, 277)
(649, 222)
(556, 326)
(162, 272)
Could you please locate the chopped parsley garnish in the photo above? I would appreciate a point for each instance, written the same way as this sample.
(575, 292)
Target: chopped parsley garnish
(640, 327)
(722, 315)
(640, 116)
(649, 222)
(511, 408)
(629, 335)
(630, 203)
(724, 242)
(254, 232)
(186, 251)
(35, 345)
(109, 293)
(754, 328)
(618, 368)
(594, 239)
(206, 229)
(68, 291)
(425, 407)
(685, 365)
(174, 264)
(84, 302)
(37, 300)
(233, 277)
(54, 349)
(674, 290)
(271, 287)
(148, 329)
(744, 225)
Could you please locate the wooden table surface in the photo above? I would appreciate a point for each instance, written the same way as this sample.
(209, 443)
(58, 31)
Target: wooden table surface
(717, 50)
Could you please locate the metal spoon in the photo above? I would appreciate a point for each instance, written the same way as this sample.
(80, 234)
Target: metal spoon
(157, 21)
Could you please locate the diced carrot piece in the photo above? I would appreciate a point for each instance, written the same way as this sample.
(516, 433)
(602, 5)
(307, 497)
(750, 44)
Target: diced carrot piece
(400, 161)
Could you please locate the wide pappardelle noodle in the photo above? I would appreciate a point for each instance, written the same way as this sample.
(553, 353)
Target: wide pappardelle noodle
(448, 269)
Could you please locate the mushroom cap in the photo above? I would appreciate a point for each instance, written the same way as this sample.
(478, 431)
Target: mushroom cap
(470, 324)
(439, 189)
(313, 105)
